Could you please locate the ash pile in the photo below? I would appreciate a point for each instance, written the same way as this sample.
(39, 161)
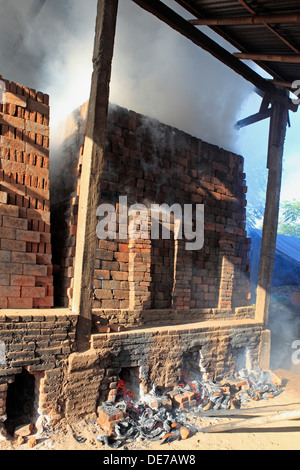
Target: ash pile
(173, 415)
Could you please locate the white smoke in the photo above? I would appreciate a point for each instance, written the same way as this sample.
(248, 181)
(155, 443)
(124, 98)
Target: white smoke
(161, 74)
(48, 45)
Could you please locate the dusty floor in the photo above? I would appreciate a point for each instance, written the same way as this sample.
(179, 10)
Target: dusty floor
(279, 436)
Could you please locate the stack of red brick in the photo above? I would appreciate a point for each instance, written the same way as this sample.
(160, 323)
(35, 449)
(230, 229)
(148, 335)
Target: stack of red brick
(150, 162)
(26, 279)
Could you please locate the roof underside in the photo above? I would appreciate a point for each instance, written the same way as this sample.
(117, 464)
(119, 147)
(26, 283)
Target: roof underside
(277, 38)
(265, 31)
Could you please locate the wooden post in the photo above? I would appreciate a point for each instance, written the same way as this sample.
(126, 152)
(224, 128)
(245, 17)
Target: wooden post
(92, 168)
(278, 125)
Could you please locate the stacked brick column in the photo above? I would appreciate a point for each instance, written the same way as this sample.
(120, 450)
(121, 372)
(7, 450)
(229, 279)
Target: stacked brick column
(182, 277)
(152, 163)
(139, 273)
(25, 241)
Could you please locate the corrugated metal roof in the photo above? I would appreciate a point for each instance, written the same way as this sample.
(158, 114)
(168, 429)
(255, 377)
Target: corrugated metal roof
(279, 38)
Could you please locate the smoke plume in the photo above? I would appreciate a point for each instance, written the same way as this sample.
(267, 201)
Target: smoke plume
(47, 44)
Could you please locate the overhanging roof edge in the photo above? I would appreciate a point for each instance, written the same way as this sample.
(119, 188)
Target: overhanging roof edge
(178, 23)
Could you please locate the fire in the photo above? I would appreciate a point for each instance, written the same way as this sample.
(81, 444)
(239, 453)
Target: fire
(186, 382)
(123, 393)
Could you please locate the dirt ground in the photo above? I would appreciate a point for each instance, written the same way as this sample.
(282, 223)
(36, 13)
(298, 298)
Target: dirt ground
(276, 436)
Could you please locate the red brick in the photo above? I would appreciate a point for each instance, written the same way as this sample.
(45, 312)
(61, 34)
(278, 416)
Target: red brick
(34, 270)
(12, 211)
(3, 197)
(20, 303)
(103, 294)
(13, 245)
(45, 237)
(5, 256)
(15, 222)
(50, 291)
(179, 399)
(24, 258)
(46, 302)
(27, 281)
(102, 274)
(11, 268)
(104, 417)
(123, 248)
(27, 236)
(3, 302)
(119, 276)
(10, 291)
(121, 257)
(44, 280)
(34, 214)
(33, 292)
(43, 259)
(4, 279)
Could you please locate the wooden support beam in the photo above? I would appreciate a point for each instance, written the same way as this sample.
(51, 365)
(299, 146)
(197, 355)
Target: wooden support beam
(178, 23)
(278, 127)
(92, 168)
(253, 119)
(246, 20)
(283, 84)
(265, 104)
(253, 423)
(288, 59)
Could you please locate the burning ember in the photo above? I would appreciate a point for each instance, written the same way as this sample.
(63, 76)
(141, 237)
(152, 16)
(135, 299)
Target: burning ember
(167, 416)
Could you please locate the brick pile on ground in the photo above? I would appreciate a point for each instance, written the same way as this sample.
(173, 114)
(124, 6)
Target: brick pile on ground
(167, 417)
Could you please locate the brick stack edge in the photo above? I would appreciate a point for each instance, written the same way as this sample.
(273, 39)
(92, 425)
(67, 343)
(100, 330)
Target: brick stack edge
(26, 277)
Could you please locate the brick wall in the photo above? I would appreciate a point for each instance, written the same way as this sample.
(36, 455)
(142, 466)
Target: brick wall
(159, 358)
(25, 241)
(40, 343)
(150, 162)
(160, 354)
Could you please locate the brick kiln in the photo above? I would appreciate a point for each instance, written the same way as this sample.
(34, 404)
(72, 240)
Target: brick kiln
(156, 306)
(172, 303)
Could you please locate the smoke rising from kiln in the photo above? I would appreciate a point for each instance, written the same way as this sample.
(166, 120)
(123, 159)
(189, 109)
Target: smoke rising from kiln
(160, 74)
(48, 44)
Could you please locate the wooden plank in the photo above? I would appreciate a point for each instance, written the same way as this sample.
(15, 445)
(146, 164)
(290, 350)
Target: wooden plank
(175, 21)
(253, 119)
(248, 20)
(265, 104)
(252, 423)
(92, 168)
(278, 127)
(288, 58)
(248, 412)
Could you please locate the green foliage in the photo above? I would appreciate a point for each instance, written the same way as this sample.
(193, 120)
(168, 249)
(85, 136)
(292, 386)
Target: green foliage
(289, 223)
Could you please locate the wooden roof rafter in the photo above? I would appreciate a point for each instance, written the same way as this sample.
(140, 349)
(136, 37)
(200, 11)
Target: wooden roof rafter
(234, 38)
(184, 27)
(245, 20)
(271, 28)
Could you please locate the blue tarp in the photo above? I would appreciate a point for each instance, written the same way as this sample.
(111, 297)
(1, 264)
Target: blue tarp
(286, 247)
(286, 264)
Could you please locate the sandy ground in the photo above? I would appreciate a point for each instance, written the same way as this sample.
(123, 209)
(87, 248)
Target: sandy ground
(279, 436)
